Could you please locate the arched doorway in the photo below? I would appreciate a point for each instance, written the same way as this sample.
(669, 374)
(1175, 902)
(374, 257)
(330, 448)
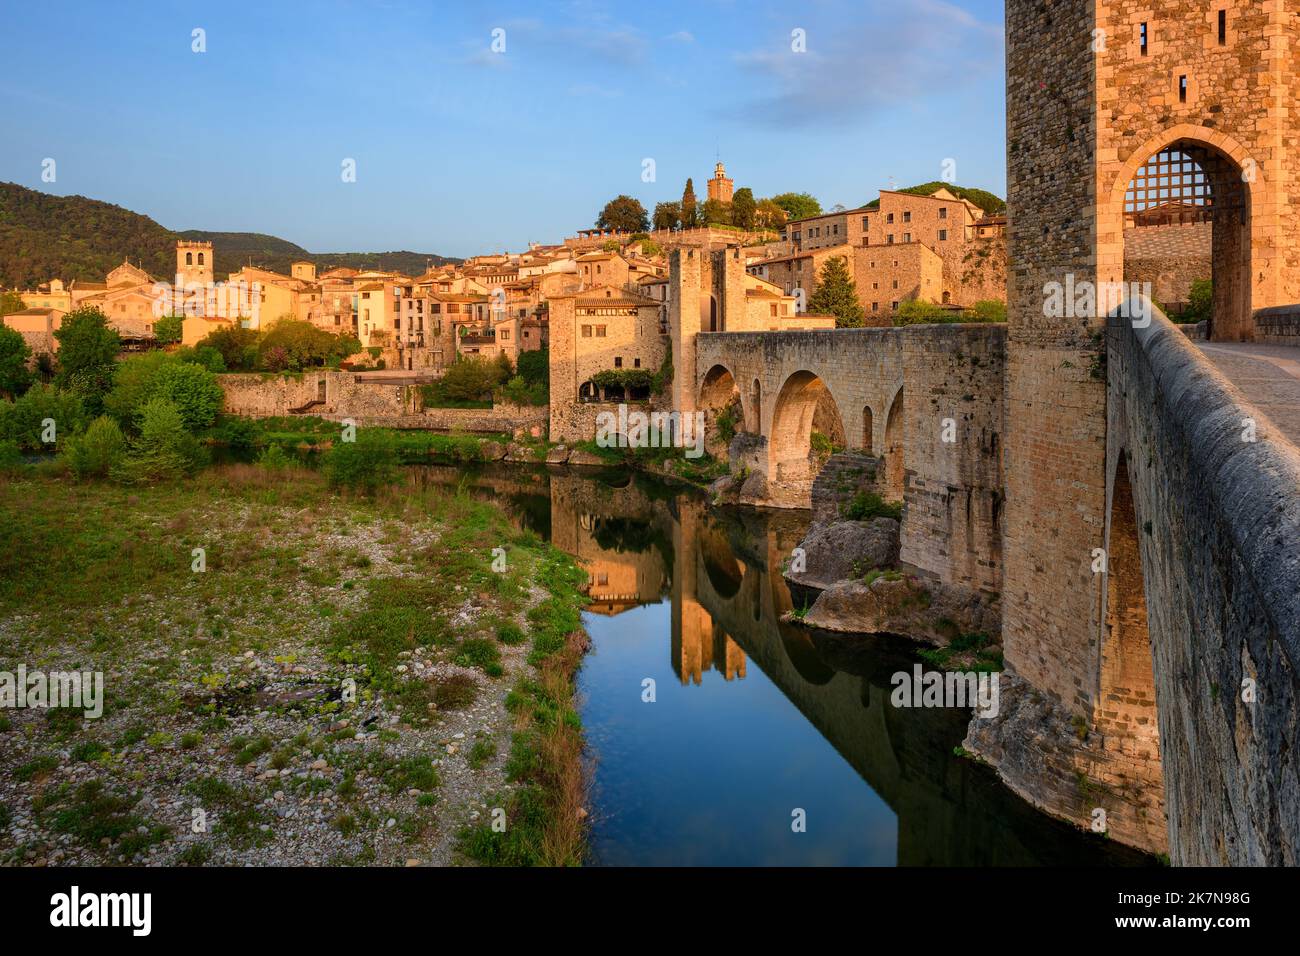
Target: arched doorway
(893, 452)
(1126, 699)
(1187, 217)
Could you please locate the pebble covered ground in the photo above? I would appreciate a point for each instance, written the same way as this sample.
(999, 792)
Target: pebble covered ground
(239, 727)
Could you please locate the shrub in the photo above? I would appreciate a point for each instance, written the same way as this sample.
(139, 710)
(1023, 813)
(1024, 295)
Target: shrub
(10, 455)
(468, 380)
(168, 329)
(14, 353)
(22, 421)
(204, 356)
(273, 457)
(867, 505)
(98, 450)
(1200, 302)
(164, 450)
(189, 386)
(365, 464)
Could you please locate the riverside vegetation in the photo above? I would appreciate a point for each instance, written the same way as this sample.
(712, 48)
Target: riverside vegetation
(301, 665)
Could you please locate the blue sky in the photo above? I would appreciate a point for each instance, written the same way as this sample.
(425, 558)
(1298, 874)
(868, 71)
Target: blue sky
(461, 150)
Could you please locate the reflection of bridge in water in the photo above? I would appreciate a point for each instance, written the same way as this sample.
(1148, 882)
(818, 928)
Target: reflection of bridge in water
(640, 542)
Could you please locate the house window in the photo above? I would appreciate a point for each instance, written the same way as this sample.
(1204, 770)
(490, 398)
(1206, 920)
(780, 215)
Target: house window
(890, 239)
(894, 306)
(943, 235)
(586, 331)
(943, 212)
(1143, 39)
(907, 237)
(636, 363)
(890, 218)
(618, 361)
(865, 223)
(875, 307)
(600, 331)
(772, 308)
(907, 216)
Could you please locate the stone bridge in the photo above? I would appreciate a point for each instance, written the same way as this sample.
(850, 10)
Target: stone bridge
(924, 403)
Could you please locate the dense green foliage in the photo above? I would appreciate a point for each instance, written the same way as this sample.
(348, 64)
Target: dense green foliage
(837, 295)
(468, 383)
(14, 353)
(97, 451)
(917, 312)
(798, 205)
(991, 204)
(866, 505)
(190, 387)
(22, 421)
(167, 330)
(624, 214)
(365, 464)
(1200, 302)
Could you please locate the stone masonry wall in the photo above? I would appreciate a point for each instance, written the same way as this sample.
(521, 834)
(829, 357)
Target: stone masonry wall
(953, 490)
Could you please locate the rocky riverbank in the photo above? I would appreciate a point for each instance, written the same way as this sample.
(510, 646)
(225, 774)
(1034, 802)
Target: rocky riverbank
(334, 681)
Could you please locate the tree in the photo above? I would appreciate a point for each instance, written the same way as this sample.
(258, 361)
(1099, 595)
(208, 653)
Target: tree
(798, 205)
(743, 208)
(689, 213)
(768, 215)
(167, 330)
(238, 347)
(623, 214)
(667, 215)
(88, 346)
(86, 342)
(714, 212)
(11, 302)
(190, 387)
(837, 295)
(15, 378)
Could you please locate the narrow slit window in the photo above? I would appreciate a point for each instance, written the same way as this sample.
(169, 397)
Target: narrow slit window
(1143, 38)
(1223, 28)
(1182, 89)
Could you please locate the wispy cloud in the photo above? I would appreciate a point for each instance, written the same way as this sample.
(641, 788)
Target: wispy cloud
(862, 59)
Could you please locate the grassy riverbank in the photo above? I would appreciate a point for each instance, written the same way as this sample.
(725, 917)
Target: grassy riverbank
(346, 680)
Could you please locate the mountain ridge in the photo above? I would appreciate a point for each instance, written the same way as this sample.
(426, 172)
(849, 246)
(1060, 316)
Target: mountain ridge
(43, 237)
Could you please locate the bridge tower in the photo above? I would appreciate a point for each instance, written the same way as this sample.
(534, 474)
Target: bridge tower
(1116, 107)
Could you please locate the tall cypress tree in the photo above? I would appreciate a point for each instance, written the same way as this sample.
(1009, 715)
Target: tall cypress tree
(837, 295)
(690, 217)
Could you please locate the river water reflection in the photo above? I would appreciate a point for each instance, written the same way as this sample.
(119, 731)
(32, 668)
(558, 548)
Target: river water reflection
(753, 719)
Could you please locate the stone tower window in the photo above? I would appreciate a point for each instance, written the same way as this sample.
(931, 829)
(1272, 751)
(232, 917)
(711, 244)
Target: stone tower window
(1143, 39)
(1182, 89)
(189, 258)
(1223, 28)
(200, 258)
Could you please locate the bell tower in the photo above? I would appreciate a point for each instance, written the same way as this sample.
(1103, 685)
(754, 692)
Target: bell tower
(193, 263)
(720, 187)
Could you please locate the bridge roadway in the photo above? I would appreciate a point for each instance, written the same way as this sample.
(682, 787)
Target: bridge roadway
(1269, 377)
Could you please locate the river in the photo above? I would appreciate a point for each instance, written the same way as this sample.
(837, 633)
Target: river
(721, 735)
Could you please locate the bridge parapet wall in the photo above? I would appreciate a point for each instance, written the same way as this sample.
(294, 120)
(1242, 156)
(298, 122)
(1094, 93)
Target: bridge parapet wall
(1218, 519)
